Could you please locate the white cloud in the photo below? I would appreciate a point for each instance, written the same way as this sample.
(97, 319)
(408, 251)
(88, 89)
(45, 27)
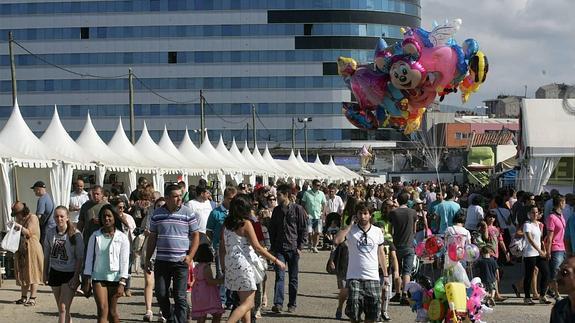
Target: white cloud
(527, 42)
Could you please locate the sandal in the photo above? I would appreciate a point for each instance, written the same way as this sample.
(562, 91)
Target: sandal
(31, 302)
(22, 300)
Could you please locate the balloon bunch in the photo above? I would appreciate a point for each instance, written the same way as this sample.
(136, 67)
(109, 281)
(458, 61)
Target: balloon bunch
(395, 90)
(447, 301)
(430, 247)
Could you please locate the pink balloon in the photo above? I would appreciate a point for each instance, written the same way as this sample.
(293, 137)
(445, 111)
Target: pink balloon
(455, 251)
(420, 249)
(368, 87)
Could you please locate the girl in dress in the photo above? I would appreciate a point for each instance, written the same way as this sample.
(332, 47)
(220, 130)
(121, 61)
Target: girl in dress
(206, 292)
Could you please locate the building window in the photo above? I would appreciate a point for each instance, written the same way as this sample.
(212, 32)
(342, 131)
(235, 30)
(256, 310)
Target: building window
(461, 135)
(307, 29)
(172, 57)
(84, 33)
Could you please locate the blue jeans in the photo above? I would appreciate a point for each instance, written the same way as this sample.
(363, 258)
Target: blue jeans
(164, 273)
(291, 259)
(557, 258)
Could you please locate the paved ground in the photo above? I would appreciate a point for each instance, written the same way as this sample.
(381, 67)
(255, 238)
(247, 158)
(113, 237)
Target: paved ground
(316, 301)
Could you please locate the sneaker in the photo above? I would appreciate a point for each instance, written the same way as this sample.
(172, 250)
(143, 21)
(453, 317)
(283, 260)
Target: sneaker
(385, 316)
(314, 250)
(338, 315)
(528, 301)
(544, 300)
(396, 298)
(149, 316)
(276, 309)
(558, 298)
(291, 309)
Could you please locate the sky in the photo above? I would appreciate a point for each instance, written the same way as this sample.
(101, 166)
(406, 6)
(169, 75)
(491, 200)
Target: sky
(527, 42)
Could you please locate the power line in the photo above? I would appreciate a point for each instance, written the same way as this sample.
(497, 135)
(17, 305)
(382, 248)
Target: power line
(222, 118)
(264, 126)
(161, 96)
(85, 75)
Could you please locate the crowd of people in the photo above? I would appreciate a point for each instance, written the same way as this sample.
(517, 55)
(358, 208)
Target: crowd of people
(211, 256)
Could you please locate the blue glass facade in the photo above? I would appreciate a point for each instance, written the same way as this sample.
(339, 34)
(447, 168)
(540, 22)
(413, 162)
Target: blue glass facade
(64, 46)
(143, 32)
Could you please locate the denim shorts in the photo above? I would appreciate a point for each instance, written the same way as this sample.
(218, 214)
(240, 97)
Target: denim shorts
(314, 225)
(557, 258)
(406, 258)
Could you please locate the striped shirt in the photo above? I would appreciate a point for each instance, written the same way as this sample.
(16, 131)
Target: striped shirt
(173, 232)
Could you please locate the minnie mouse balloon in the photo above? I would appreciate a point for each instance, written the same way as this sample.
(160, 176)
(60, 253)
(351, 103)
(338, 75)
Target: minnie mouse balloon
(471, 252)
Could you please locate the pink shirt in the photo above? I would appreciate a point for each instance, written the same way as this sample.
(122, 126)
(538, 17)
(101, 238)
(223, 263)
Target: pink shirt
(556, 224)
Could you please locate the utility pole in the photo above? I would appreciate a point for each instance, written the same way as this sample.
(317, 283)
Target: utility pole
(305, 140)
(247, 132)
(292, 133)
(12, 66)
(202, 118)
(254, 125)
(132, 114)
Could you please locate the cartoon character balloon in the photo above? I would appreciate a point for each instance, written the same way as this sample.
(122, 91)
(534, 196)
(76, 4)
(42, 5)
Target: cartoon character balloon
(406, 77)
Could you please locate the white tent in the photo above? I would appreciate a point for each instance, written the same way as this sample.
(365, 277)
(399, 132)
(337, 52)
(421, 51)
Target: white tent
(216, 159)
(269, 160)
(168, 146)
(547, 134)
(312, 171)
(75, 157)
(332, 175)
(348, 174)
(271, 168)
(197, 159)
(121, 146)
(262, 169)
(25, 161)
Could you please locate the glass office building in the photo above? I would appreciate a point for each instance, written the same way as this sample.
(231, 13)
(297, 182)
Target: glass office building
(278, 55)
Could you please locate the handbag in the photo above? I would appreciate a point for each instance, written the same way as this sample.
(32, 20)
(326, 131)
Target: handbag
(11, 241)
(258, 264)
(517, 246)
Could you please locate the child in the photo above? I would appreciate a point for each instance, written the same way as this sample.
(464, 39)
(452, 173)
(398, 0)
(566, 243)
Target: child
(205, 292)
(487, 267)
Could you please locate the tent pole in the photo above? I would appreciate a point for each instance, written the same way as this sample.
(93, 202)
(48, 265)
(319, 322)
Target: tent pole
(15, 176)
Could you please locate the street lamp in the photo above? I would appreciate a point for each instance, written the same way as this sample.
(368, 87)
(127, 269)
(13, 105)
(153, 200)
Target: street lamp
(305, 121)
(199, 132)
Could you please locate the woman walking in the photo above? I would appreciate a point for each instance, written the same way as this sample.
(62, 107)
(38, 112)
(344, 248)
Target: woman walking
(238, 255)
(107, 261)
(29, 259)
(64, 257)
(534, 254)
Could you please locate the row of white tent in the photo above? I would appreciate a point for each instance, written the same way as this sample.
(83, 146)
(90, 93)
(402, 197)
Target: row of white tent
(55, 156)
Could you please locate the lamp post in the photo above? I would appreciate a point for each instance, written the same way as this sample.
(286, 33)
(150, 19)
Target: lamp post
(199, 132)
(305, 121)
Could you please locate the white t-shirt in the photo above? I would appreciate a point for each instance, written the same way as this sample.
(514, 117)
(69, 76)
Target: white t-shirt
(334, 205)
(457, 230)
(474, 216)
(202, 211)
(77, 200)
(529, 250)
(363, 252)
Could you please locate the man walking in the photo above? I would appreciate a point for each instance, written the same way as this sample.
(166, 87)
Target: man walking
(77, 199)
(174, 231)
(287, 230)
(201, 206)
(366, 255)
(403, 221)
(313, 202)
(44, 209)
(88, 221)
(446, 211)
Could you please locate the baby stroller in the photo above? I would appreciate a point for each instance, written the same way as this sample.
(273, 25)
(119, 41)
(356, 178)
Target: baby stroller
(330, 229)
